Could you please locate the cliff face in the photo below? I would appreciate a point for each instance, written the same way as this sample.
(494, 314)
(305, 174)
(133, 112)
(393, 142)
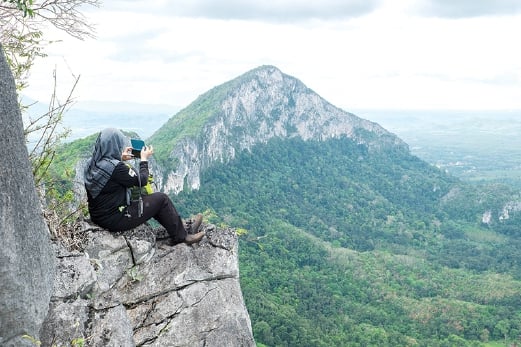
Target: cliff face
(26, 262)
(132, 289)
(253, 108)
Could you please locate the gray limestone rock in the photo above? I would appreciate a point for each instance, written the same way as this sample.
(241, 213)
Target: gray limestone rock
(74, 276)
(111, 328)
(146, 293)
(65, 321)
(26, 257)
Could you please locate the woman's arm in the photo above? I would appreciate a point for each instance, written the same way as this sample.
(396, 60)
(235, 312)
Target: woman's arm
(127, 176)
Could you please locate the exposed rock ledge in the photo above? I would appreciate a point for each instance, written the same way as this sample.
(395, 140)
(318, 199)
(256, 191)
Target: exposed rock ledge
(129, 290)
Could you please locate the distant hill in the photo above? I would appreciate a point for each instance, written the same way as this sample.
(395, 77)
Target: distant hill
(476, 145)
(350, 240)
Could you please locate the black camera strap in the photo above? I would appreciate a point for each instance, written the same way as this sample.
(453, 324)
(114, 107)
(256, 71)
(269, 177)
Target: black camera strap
(140, 198)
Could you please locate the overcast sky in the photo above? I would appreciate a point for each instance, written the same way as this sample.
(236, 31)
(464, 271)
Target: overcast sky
(357, 54)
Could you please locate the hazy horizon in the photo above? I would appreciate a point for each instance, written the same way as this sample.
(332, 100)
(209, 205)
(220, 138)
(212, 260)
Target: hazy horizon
(88, 117)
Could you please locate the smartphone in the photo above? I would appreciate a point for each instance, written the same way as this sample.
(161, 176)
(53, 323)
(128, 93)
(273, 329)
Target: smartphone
(137, 146)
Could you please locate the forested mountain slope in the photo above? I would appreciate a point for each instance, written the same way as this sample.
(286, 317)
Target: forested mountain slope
(350, 240)
(354, 248)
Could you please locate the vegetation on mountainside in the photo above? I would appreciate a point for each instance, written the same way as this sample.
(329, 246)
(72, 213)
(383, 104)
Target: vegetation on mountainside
(69, 154)
(186, 123)
(352, 248)
(355, 248)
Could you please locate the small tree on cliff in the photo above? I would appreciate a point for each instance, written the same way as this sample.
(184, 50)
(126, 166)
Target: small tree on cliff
(23, 39)
(23, 22)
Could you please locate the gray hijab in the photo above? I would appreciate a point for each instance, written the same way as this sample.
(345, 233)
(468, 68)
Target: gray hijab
(107, 154)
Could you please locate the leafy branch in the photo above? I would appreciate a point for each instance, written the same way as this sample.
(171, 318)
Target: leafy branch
(49, 136)
(22, 5)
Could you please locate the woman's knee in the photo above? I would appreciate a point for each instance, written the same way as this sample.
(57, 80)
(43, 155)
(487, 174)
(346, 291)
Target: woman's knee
(156, 197)
(157, 201)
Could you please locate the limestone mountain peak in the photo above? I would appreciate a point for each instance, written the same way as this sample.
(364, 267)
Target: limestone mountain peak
(251, 109)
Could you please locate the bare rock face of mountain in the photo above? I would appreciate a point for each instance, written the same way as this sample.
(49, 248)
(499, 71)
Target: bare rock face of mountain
(254, 108)
(26, 260)
(130, 290)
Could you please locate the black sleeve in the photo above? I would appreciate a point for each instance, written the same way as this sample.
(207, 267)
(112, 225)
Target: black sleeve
(127, 176)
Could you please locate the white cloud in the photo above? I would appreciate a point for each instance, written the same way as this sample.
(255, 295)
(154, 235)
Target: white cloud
(272, 11)
(468, 8)
(384, 57)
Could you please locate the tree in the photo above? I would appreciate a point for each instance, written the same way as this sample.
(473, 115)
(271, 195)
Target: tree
(22, 5)
(502, 328)
(23, 21)
(22, 36)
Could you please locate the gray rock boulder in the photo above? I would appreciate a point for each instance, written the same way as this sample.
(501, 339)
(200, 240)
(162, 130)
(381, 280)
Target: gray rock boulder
(26, 257)
(131, 289)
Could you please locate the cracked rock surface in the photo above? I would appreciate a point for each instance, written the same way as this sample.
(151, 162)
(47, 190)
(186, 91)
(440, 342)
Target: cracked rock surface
(132, 289)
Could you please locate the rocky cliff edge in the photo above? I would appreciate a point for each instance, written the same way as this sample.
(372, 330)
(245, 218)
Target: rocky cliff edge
(131, 289)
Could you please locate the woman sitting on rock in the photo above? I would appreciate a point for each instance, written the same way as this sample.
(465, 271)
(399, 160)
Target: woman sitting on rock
(108, 180)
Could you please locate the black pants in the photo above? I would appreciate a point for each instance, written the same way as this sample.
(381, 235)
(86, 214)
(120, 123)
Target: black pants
(158, 206)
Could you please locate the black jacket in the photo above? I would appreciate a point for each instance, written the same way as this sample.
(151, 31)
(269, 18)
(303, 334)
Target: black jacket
(110, 205)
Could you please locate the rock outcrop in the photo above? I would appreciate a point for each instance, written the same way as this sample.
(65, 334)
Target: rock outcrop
(132, 289)
(26, 258)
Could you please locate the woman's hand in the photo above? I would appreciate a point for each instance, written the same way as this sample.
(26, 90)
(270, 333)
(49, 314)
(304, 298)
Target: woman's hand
(146, 152)
(127, 154)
